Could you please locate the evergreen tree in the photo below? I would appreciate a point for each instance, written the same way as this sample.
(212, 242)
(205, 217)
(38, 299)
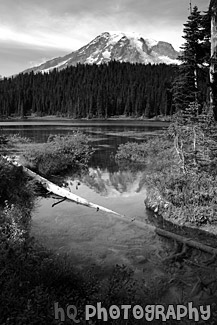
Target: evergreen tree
(213, 58)
(194, 53)
(90, 91)
(148, 109)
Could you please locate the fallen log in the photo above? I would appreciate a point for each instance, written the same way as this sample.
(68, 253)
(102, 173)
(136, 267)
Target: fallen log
(186, 241)
(62, 192)
(65, 194)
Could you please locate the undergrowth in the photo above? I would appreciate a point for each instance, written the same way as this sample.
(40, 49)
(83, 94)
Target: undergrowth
(181, 164)
(59, 154)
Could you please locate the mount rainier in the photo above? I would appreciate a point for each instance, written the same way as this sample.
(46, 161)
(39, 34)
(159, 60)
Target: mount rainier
(123, 47)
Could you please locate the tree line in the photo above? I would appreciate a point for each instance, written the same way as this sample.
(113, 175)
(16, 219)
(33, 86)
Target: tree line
(87, 91)
(101, 91)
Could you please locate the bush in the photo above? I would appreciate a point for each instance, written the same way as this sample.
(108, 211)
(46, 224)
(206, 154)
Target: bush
(13, 226)
(155, 153)
(131, 151)
(15, 187)
(3, 140)
(59, 154)
(17, 139)
(192, 190)
(17, 196)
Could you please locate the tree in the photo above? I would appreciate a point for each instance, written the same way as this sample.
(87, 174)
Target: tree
(186, 87)
(148, 109)
(213, 59)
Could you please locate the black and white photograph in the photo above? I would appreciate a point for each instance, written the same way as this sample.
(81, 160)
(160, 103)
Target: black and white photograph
(108, 162)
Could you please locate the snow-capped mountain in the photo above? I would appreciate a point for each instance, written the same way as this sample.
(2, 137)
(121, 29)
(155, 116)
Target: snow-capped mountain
(123, 47)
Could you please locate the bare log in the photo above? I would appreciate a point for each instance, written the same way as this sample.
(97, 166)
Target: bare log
(65, 194)
(62, 192)
(186, 241)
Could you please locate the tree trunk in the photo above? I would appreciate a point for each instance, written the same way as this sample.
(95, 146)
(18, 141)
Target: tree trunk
(213, 61)
(59, 191)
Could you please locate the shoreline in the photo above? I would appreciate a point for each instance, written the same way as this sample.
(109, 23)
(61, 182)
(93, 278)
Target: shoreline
(157, 205)
(68, 121)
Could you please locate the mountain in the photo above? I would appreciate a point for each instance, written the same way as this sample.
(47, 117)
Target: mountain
(123, 47)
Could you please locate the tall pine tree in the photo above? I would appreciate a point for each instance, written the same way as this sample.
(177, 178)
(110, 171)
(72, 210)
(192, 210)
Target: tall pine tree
(187, 86)
(213, 59)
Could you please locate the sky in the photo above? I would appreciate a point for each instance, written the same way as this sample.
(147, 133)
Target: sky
(34, 31)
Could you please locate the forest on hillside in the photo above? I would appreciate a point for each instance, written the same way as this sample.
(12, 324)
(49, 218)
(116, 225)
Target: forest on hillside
(94, 91)
(114, 89)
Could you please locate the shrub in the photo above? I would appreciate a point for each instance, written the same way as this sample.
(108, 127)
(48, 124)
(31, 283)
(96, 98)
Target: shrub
(13, 226)
(17, 196)
(155, 153)
(59, 154)
(191, 190)
(131, 151)
(14, 139)
(16, 187)
(3, 140)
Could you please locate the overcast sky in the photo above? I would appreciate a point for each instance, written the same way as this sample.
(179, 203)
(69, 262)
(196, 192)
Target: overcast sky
(33, 31)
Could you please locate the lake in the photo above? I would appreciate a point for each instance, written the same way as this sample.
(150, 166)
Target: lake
(106, 182)
(96, 241)
(92, 238)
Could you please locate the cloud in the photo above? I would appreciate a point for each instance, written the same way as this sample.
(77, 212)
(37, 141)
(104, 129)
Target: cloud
(45, 26)
(18, 57)
(69, 24)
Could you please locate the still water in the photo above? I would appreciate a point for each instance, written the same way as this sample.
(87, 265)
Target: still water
(92, 238)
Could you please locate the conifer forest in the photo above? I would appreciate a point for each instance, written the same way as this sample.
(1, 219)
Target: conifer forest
(118, 88)
(87, 91)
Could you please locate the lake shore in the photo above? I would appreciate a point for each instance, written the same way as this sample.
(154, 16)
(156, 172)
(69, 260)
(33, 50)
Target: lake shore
(155, 203)
(170, 192)
(54, 120)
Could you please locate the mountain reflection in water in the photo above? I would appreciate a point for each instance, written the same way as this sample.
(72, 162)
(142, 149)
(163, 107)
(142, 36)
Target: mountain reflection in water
(112, 184)
(118, 186)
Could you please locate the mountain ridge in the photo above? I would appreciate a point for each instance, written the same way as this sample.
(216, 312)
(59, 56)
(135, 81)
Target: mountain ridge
(123, 47)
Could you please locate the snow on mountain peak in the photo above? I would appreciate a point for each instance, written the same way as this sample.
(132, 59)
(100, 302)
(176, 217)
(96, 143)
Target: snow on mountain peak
(126, 34)
(115, 45)
(151, 42)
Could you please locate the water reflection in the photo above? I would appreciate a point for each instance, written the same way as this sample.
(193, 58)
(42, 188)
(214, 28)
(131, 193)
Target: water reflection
(120, 183)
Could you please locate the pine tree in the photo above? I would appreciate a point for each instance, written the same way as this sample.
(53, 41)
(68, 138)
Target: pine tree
(213, 59)
(186, 87)
(148, 109)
